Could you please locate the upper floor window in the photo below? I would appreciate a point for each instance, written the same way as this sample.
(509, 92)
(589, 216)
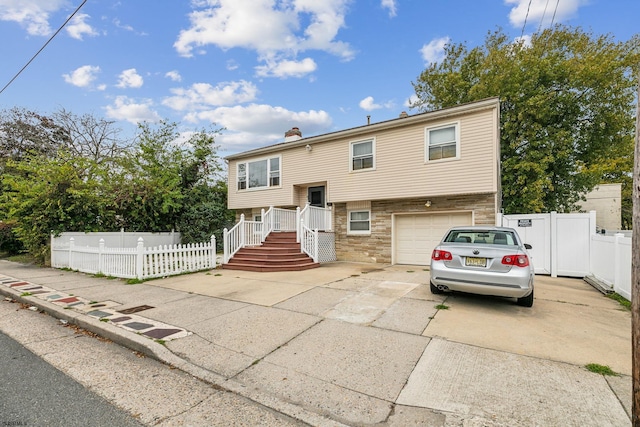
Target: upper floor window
(362, 155)
(443, 142)
(259, 173)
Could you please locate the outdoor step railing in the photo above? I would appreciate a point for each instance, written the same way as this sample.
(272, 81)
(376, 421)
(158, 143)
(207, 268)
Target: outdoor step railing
(253, 233)
(309, 241)
(244, 233)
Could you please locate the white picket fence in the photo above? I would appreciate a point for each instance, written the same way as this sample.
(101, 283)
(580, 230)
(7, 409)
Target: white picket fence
(139, 262)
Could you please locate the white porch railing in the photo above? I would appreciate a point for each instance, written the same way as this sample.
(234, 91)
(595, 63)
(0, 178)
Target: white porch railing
(135, 263)
(253, 233)
(276, 219)
(244, 233)
(315, 218)
(309, 241)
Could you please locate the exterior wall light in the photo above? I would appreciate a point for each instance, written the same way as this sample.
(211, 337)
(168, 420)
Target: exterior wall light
(427, 204)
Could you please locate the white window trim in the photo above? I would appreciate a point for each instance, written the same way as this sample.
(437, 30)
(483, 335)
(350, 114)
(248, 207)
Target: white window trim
(456, 125)
(373, 153)
(358, 232)
(266, 187)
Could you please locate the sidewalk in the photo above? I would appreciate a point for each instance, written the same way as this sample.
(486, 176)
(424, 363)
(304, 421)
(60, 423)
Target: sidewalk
(356, 344)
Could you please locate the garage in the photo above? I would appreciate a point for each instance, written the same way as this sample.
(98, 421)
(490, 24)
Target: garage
(415, 235)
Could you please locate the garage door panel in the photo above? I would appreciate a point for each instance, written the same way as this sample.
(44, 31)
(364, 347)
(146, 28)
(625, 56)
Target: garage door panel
(417, 235)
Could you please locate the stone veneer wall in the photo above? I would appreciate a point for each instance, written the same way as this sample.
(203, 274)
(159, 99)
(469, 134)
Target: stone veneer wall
(377, 246)
(247, 214)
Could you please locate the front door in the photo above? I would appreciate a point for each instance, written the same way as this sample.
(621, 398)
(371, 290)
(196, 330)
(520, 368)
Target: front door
(316, 196)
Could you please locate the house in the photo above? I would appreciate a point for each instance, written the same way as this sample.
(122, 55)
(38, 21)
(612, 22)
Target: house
(606, 200)
(391, 188)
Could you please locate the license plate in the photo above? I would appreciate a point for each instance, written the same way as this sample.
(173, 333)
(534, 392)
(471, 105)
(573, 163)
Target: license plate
(476, 262)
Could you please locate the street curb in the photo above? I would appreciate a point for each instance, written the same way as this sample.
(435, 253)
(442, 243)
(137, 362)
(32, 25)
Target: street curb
(159, 352)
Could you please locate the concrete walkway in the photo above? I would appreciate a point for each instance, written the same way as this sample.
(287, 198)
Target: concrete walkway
(360, 345)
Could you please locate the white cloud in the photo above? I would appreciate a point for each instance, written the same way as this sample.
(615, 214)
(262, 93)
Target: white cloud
(433, 52)
(368, 104)
(33, 15)
(287, 68)
(130, 78)
(174, 75)
(411, 100)
(122, 26)
(124, 108)
(541, 11)
(203, 95)
(525, 39)
(232, 65)
(391, 5)
(272, 29)
(83, 76)
(257, 125)
(77, 27)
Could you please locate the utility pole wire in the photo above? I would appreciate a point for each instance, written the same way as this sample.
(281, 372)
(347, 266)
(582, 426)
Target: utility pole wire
(525, 19)
(42, 48)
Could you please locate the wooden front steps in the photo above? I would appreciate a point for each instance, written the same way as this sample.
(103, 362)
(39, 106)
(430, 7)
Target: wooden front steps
(279, 252)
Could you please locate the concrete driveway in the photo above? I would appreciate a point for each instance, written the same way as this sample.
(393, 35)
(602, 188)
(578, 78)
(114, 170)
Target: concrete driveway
(359, 344)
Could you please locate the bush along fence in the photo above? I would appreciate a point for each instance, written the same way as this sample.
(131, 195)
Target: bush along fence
(135, 263)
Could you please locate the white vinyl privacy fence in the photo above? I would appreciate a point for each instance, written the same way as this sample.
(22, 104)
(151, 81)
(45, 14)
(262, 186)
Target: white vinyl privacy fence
(610, 262)
(568, 245)
(117, 239)
(137, 262)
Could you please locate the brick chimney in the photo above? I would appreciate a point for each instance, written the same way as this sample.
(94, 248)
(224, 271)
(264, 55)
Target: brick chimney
(403, 115)
(292, 135)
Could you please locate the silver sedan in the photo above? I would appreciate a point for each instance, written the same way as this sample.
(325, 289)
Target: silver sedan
(483, 260)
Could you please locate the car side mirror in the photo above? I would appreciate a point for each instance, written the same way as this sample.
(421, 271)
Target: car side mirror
(528, 246)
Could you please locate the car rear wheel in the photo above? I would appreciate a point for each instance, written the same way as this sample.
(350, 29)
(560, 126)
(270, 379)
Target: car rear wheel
(434, 289)
(526, 301)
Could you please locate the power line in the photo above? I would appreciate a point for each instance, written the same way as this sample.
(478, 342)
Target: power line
(42, 48)
(543, 14)
(554, 13)
(525, 19)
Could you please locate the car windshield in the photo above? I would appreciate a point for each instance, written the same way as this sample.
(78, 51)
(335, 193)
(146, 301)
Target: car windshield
(495, 237)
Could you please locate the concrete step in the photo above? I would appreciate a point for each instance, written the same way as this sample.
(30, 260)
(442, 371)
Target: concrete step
(270, 267)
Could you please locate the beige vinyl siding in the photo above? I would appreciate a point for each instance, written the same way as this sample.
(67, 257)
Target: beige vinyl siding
(401, 170)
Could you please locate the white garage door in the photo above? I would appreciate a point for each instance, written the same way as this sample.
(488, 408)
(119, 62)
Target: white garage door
(417, 235)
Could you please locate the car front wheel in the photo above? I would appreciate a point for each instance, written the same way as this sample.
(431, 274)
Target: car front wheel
(526, 301)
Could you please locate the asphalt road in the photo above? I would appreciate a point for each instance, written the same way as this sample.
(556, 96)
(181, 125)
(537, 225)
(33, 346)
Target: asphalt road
(34, 393)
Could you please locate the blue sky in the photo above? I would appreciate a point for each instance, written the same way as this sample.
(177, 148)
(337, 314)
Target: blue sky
(256, 67)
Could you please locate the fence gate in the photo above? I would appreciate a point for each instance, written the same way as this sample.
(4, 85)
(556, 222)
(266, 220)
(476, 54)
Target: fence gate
(561, 242)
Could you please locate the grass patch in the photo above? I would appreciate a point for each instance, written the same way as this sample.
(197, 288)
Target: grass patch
(621, 300)
(134, 281)
(161, 342)
(22, 259)
(442, 307)
(26, 294)
(218, 274)
(104, 319)
(410, 271)
(601, 369)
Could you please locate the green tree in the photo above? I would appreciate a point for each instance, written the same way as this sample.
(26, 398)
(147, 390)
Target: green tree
(206, 214)
(153, 186)
(567, 110)
(54, 195)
